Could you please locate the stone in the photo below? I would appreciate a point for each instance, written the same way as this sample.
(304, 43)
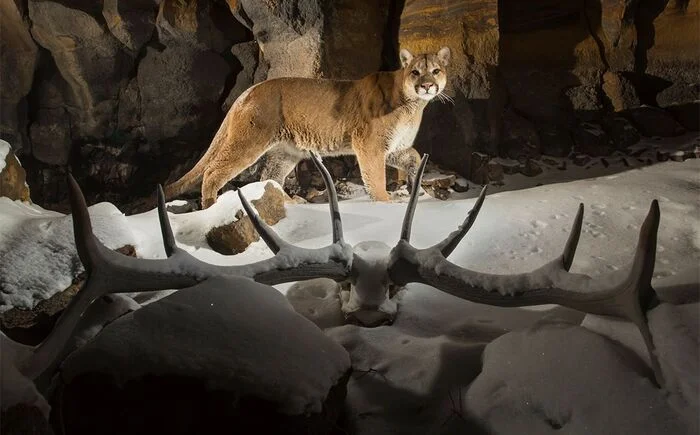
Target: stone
(531, 168)
(24, 419)
(437, 180)
(581, 159)
(621, 132)
(591, 139)
(438, 193)
(50, 132)
(479, 169)
(585, 101)
(290, 38)
(132, 22)
(13, 181)
(32, 326)
(181, 406)
(556, 141)
(200, 365)
(620, 91)
(234, 237)
(652, 121)
(88, 57)
(180, 88)
(496, 172)
(18, 57)
(202, 24)
(270, 206)
(129, 112)
(519, 138)
(668, 48)
(687, 115)
(247, 55)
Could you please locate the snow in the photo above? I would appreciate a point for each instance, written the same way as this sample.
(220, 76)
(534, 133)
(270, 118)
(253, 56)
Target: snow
(5, 149)
(552, 378)
(14, 387)
(38, 250)
(447, 365)
(231, 332)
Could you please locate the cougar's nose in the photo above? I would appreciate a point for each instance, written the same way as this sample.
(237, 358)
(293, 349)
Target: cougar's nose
(427, 86)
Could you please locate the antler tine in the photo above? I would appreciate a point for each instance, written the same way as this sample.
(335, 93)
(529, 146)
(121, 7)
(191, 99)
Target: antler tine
(336, 221)
(165, 228)
(85, 242)
(108, 272)
(269, 236)
(567, 257)
(411, 208)
(451, 241)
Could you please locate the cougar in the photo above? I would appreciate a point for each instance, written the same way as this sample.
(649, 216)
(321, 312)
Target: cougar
(375, 118)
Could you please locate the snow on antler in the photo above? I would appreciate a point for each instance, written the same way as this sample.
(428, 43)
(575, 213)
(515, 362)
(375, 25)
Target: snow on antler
(626, 294)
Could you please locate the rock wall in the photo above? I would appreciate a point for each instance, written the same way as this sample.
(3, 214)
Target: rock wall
(128, 93)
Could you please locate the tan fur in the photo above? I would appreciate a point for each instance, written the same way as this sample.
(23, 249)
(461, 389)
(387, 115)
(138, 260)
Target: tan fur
(376, 118)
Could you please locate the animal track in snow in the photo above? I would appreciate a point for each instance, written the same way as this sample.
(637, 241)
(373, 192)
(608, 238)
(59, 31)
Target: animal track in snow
(538, 224)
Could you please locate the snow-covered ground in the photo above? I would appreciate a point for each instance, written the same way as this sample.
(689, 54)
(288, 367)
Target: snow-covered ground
(448, 365)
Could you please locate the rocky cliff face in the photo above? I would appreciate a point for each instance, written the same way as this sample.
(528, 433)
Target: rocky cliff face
(128, 93)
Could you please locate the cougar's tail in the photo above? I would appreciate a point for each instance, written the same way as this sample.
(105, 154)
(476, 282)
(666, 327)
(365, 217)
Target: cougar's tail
(188, 181)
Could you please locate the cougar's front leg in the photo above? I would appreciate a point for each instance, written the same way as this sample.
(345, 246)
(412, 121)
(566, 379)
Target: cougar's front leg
(407, 161)
(370, 157)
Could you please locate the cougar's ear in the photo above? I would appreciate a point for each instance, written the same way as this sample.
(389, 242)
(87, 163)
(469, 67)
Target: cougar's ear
(443, 56)
(406, 57)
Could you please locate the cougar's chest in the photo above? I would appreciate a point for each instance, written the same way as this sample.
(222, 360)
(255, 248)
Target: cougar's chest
(402, 136)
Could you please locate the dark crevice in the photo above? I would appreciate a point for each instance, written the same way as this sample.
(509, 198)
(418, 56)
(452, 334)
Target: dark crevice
(390, 39)
(596, 10)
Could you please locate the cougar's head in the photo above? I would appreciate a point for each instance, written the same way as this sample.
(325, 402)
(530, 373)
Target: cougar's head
(424, 74)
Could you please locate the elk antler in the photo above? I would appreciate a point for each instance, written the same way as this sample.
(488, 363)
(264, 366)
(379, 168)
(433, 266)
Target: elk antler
(111, 272)
(626, 294)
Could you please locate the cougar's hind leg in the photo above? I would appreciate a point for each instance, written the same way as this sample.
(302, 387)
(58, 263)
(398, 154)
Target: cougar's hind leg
(279, 162)
(220, 170)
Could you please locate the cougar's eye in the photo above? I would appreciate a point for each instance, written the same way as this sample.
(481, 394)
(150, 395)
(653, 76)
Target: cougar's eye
(415, 73)
(436, 71)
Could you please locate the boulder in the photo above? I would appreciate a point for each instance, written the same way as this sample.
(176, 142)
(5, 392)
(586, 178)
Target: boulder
(18, 57)
(687, 115)
(24, 419)
(312, 38)
(591, 139)
(519, 138)
(619, 91)
(289, 36)
(668, 49)
(247, 54)
(13, 183)
(180, 88)
(132, 22)
(31, 326)
(621, 132)
(270, 206)
(88, 57)
(234, 237)
(652, 121)
(556, 140)
(226, 351)
(204, 24)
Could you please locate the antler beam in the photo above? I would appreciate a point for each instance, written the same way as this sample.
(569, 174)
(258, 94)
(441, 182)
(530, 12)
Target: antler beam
(626, 294)
(111, 272)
